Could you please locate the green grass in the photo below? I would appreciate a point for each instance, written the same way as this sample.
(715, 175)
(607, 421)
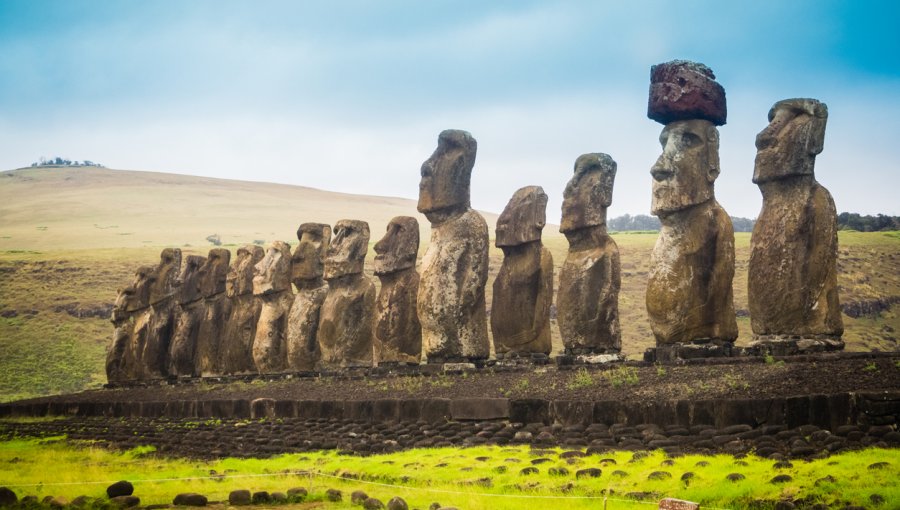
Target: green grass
(469, 478)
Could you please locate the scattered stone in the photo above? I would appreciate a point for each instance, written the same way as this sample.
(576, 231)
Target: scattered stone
(334, 495)
(591, 473)
(528, 471)
(279, 497)
(701, 464)
(239, 497)
(81, 501)
(677, 504)
(735, 477)
(397, 503)
(358, 497)
(58, 502)
(558, 471)
(125, 501)
(261, 498)
(121, 488)
(781, 479)
(689, 475)
(8, 497)
(619, 474)
(876, 499)
(372, 504)
(189, 499)
(879, 465)
(540, 460)
(659, 475)
(783, 464)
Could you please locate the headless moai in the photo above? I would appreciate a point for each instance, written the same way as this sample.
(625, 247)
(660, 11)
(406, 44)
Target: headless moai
(792, 281)
(588, 299)
(243, 312)
(212, 277)
(131, 318)
(189, 314)
(307, 269)
(272, 284)
(397, 331)
(451, 301)
(523, 289)
(689, 292)
(163, 286)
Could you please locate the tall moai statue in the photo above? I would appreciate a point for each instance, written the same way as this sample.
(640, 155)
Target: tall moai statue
(345, 321)
(163, 287)
(451, 300)
(588, 299)
(793, 291)
(307, 269)
(131, 319)
(213, 274)
(189, 315)
(243, 312)
(272, 284)
(523, 289)
(689, 292)
(397, 331)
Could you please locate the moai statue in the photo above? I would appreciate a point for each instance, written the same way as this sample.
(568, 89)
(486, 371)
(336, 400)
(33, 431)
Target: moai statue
(131, 318)
(272, 284)
(163, 286)
(793, 291)
(587, 303)
(243, 312)
(523, 289)
(451, 299)
(398, 333)
(307, 268)
(212, 277)
(189, 314)
(345, 320)
(689, 293)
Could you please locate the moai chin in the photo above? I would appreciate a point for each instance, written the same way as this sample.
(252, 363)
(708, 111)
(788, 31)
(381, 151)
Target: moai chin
(272, 284)
(163, 286)
(212, 276)
(345, 321)
(189, 315)
(689, 293)
(588, 299)
(243, 312)
(307, 269)
(130, 318)
(397, 331)
(523, 289)
(792, 281)
(451, 302)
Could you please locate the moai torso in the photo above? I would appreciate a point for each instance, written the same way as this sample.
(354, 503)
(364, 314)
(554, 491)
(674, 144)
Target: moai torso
(243, 312)
(213, 274)
(132, 307)
(397, 331)
(154, 358)
(523, 289)
(189, 315)
(272, 284)
(451, 301)
(307, 269)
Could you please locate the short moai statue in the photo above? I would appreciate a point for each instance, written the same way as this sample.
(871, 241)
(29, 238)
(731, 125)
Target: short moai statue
(272, 284)
(189, 315)
(163, 286)
(130, 317)
(243, 312)
(451, 300)
(587, 303)
(792, 283)
(307, 269)
(689, 292)
(523, 289)
(397, 331)
(213, 274)
(345, 321)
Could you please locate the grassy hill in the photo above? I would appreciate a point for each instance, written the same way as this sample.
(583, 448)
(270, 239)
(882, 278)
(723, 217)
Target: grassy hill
(70, 236)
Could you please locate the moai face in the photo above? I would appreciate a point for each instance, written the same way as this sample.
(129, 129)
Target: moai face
(308, 260)
(273, 272)
(240, 275)
(398, 248)
(165, 275)
(789, 144)
(684, 174)
(347, 252)
(588, 193)
(524, 217)
(214, 271)
(137, 295)
(189, 279)
(446, 174)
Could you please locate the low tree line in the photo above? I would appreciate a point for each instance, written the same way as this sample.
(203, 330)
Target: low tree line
(867, 223)
(58, 161)
(629, 223)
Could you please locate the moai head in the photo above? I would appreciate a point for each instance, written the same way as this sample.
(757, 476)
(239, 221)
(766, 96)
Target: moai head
(588, 193)
(240, 275)
(686, 98)
(790, 143)
(347, 252)
(189, 279)
(214, 271)
(137, 295)
(523, 219)
(273, 272)
(399, 247)
(164, 277)
(446, 174)
(308, 260)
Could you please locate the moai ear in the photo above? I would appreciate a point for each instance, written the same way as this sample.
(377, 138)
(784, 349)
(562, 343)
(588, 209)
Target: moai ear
(712, 156)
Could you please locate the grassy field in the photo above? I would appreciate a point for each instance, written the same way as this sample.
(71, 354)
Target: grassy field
(469, 478)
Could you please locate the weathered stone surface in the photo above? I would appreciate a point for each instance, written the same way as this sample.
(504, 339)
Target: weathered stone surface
(189, 499)
(243, 312)
(589, 281)
(792, 280)
(213, 274)
(397, 331)
(239, 497)
(272, 283)
(683, 90)
(123, 353)
(154, 358)
(345, 320)
(120, 488)
(307, 268)
(523, 289)
(189, 315)
(451, 300)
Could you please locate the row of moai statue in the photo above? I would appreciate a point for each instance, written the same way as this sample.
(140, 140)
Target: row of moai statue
(206, 317)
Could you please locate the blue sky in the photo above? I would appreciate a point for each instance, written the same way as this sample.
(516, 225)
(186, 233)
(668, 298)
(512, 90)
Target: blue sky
(350, 96)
